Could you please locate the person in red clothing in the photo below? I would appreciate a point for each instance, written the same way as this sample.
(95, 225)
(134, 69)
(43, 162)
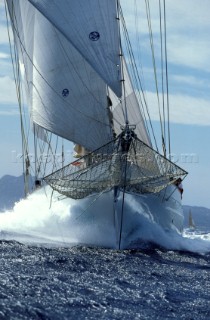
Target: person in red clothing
(179, 185)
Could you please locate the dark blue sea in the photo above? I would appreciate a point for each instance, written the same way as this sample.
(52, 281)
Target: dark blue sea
(43, 276)
(88, 283)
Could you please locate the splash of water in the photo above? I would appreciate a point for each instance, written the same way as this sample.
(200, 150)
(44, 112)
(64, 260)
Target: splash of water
(65, 222)
(37, 219)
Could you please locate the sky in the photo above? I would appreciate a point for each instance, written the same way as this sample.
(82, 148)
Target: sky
(188, 51)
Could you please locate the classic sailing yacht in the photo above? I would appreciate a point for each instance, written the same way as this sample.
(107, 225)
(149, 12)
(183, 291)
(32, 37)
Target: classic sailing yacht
(191, 222)
(82, 84)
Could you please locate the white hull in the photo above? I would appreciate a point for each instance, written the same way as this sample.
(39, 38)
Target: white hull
(119, 228)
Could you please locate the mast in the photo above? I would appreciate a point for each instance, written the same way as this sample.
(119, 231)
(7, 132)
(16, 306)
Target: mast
(116, 188)
(35, 153)
(121, 64)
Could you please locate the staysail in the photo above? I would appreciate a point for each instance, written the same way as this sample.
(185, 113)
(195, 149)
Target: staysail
(128, 106)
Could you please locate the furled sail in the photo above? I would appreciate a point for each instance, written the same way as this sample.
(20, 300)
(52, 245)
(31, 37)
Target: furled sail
(92, 28)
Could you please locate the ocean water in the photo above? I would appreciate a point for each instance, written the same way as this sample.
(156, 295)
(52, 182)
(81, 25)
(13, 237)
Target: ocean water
(46, 274)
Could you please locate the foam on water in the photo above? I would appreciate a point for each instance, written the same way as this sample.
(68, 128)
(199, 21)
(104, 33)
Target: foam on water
(37, 219)
(33, 220)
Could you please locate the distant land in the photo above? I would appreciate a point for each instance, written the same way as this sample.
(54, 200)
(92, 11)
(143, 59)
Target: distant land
(12, 190)
(201, 217)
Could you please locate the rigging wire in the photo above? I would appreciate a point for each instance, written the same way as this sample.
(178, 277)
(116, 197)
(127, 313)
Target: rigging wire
(139, 60)
(35, 153)
(16, 72)
(138, 43)
(48, 84)
(155, 70)
(137, 77)
(23, 49)
(128, 47)
(125, 111)
(25, 71)
(167, 89)
(131, 54)
(162, 71)
(25, 143)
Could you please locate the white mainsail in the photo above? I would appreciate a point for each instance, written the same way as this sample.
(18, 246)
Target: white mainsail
(92, 28)
(67, 90)
(68, 97)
